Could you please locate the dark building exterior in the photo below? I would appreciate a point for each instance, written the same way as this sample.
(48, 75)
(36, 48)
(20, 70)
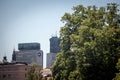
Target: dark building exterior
(54, 49)
(29, 46)
(54, 44)
(29, 53)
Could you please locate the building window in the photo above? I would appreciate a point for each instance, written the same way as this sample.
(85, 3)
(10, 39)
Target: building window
(25, 69)
(9, 75)
(15, 76)
(25, 75)
(4, 76)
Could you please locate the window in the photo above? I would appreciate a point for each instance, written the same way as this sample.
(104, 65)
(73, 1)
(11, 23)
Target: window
(4, 76)
(25, 75)
(9, 75)
(25, 69)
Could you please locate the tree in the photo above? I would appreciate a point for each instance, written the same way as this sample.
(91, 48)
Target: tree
(34, 73)
(117, 74)
(90, 42)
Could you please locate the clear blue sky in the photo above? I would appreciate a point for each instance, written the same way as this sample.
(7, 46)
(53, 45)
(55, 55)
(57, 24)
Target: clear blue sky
(24, 21)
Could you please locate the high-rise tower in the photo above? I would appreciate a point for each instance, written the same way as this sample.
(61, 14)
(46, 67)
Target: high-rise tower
(54, 49)
(54, 44)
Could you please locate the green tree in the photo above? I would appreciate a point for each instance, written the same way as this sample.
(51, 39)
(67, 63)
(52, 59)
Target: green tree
(117, 74)
(90, 42)
(33, 74)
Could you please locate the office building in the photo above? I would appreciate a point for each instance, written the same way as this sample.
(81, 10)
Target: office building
(29, 53)
(54, 49)
(51, 57)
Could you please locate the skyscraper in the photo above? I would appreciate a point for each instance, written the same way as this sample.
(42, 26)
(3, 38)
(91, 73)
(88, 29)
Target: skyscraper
(54, 44)
(54, 49)
(29, 53)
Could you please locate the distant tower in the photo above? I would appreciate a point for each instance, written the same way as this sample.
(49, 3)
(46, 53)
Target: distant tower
(54, 49)
(54, 44)
(14, 55)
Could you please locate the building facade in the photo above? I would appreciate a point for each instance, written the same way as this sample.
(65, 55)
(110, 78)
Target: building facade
(54, 49)
(51, 57)
(15, 71)
(29, 53)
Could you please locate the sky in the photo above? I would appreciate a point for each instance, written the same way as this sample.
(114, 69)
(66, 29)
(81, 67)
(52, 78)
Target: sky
(25, 21)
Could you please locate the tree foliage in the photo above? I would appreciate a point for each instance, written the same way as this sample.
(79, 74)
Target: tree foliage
(34, 73)
(117, 74)
(90, 44)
